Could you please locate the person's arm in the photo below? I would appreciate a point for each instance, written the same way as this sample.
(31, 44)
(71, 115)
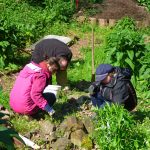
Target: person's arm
(94, 88)
(38, 85)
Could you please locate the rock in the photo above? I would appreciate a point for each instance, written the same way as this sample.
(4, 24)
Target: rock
(88, 123)
(87, 143)
(62, 144)
(67, 134)
(93, 20)
(77, 137)
(103, 22)
(47, 128)
(81, 19)
(139, 24)
(112, 22)
(52, 138)
(71, 124)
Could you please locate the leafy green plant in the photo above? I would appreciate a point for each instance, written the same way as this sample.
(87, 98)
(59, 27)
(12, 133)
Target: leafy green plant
(22, 125)
(145, 3)
(144, 79)
(115, 128)
(91, 11)
(7, 134)
(29, 23)
(125, 46)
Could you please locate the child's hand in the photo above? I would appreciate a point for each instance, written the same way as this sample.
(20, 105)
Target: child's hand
(49, 110)
(52, 112)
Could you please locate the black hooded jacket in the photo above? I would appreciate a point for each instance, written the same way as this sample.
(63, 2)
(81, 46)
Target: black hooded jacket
(120, 90)
(50, 48)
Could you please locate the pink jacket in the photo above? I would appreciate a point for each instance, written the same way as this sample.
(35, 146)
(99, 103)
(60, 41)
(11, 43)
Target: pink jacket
(26, 95)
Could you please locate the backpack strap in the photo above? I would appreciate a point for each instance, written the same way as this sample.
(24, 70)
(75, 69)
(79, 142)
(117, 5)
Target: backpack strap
(131, 102)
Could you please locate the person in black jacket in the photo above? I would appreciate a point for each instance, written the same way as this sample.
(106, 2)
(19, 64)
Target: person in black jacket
(113, 85)
(47, 48)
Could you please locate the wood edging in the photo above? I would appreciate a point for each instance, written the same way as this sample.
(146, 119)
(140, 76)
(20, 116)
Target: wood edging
(110, 22)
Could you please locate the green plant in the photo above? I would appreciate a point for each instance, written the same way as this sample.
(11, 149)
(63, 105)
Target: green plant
(7, 134)
(87, 143)
(4, 97)
(22, 125)
(145, 3)
(29, 23)
(91, 11)
(95, 1)
(144, 79)
(115, 128)
(125, 46)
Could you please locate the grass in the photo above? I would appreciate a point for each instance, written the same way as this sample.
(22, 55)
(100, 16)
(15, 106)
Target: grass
(84, 64)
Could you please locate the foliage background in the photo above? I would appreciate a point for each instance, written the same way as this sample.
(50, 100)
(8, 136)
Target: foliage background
(23, 22)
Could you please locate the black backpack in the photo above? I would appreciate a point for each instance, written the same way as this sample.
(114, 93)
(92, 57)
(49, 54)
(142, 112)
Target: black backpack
(120, 90)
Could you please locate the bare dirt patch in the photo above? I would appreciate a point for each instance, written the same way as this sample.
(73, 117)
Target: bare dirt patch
(116, 9)
(75, 48)
(7, 81)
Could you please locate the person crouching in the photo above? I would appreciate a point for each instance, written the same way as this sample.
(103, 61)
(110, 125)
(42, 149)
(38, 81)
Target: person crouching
(26, 96)
(113, 85)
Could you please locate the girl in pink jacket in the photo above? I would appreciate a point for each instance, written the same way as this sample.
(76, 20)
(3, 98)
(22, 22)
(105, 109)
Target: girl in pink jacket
(26, 96)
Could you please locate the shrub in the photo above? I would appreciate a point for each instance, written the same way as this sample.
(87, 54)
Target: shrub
(125, 46)
(22, 24)
(144, 79)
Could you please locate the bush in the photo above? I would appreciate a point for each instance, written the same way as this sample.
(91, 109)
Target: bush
(125, 46)
(144, 79)
(22, 24)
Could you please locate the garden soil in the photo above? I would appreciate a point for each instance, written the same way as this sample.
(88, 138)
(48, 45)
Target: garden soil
(117, 9)
(112, 9)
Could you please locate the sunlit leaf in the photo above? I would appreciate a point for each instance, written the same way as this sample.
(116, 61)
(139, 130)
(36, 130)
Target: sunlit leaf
(130, 63)
(130, 54)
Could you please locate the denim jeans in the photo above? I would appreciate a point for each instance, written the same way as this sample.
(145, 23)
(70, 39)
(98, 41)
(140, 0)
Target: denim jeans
(99, 101)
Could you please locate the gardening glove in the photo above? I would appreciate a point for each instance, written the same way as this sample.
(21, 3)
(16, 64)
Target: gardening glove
(93, 89)
(49, 110)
